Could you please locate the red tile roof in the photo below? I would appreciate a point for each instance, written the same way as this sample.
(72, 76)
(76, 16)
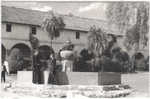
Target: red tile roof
(33, 17)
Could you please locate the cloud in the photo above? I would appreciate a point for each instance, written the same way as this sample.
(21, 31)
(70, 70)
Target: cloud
(43, 8)
(22, 4)
(28, 5)
(91, 6)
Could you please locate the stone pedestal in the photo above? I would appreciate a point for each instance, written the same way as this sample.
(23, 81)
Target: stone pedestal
(62, 78)
(46, 75)
(109, 78)
(24, 76)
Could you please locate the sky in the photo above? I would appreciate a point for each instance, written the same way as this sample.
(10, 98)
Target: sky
(94, 10)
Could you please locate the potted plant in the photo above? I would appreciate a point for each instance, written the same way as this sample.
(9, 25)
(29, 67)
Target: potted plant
(67, 56)
(108, 65)
(110, 71)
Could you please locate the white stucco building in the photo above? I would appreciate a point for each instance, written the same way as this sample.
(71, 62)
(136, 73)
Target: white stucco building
(17, 23)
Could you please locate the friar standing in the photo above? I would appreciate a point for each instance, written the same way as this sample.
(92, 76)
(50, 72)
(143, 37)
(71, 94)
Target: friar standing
(36, 59)
(36, 67)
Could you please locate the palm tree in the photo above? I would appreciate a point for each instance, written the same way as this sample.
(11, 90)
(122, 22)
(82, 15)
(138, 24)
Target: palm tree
(53, 24)
(97, 40)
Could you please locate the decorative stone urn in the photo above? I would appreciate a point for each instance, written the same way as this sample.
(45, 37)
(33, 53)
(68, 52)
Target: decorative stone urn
(66, 54)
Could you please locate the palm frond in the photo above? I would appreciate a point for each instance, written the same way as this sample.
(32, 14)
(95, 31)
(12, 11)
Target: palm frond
(97, 40)
(52, 24)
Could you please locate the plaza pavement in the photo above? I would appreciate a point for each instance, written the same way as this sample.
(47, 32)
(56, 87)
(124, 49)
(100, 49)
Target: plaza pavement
(139, 82)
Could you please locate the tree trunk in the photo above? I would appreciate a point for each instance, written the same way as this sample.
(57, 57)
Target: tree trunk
(133, 59)
(32, 65)
(51, 42)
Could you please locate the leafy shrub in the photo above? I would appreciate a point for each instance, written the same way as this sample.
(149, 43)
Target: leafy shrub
(81, 65)
(108, 65)
(86, 55)
(123, 59)
(83, 62)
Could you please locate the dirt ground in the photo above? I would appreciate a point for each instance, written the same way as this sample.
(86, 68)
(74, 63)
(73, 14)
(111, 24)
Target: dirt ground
(139, 82)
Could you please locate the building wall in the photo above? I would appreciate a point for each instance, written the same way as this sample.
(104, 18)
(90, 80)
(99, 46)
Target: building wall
(20, 34)
(64, 36)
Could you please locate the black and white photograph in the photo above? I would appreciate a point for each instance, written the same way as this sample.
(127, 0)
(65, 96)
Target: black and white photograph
(74, 49)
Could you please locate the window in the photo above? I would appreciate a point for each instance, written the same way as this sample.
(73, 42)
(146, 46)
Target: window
(77, 35)
(33, 30)
(8, 27)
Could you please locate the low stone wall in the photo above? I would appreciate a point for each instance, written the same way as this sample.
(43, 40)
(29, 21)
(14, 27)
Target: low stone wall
(82, 78)
(76, 78)
(27, 76)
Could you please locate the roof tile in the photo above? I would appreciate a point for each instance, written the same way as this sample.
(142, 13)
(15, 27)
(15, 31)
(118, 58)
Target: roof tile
(33, 17)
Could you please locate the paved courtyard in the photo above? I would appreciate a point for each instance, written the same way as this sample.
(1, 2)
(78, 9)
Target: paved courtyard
(138, 81)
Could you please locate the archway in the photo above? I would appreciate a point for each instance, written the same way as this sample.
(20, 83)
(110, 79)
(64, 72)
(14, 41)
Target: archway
(19, 57)
(139, 55)
(139, 61)
(24, 49)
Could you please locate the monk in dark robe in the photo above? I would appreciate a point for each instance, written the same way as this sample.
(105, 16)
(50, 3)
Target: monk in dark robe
(36, 68)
